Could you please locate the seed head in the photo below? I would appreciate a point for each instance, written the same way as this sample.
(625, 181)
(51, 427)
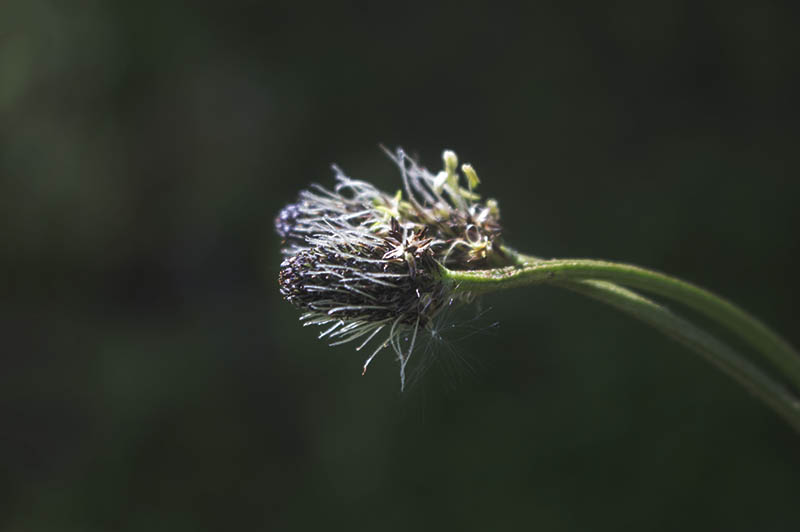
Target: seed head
(362, 262)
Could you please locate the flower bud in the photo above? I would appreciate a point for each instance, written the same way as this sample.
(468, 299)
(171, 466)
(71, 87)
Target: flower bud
(472, 175)
(450, 161)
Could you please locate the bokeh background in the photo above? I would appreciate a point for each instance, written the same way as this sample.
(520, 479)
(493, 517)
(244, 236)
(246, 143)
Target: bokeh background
(151, 378)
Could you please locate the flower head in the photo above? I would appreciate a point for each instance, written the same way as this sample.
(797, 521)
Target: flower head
(366, 264)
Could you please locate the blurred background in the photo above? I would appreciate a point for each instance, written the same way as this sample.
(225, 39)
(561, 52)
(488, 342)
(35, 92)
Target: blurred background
(151, 377)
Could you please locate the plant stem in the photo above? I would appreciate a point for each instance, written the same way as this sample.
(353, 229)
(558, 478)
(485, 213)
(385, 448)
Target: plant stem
(726, 359)
(732, 318)
(596, 279)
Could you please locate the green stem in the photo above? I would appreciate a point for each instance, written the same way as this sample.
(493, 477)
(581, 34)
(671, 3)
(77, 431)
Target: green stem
(596, 279)
(719, 354)
(726, 314)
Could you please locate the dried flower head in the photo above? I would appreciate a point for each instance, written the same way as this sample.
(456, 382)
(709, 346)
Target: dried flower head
(362, 262)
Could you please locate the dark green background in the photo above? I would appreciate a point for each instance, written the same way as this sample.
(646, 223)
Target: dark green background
(151, 378)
